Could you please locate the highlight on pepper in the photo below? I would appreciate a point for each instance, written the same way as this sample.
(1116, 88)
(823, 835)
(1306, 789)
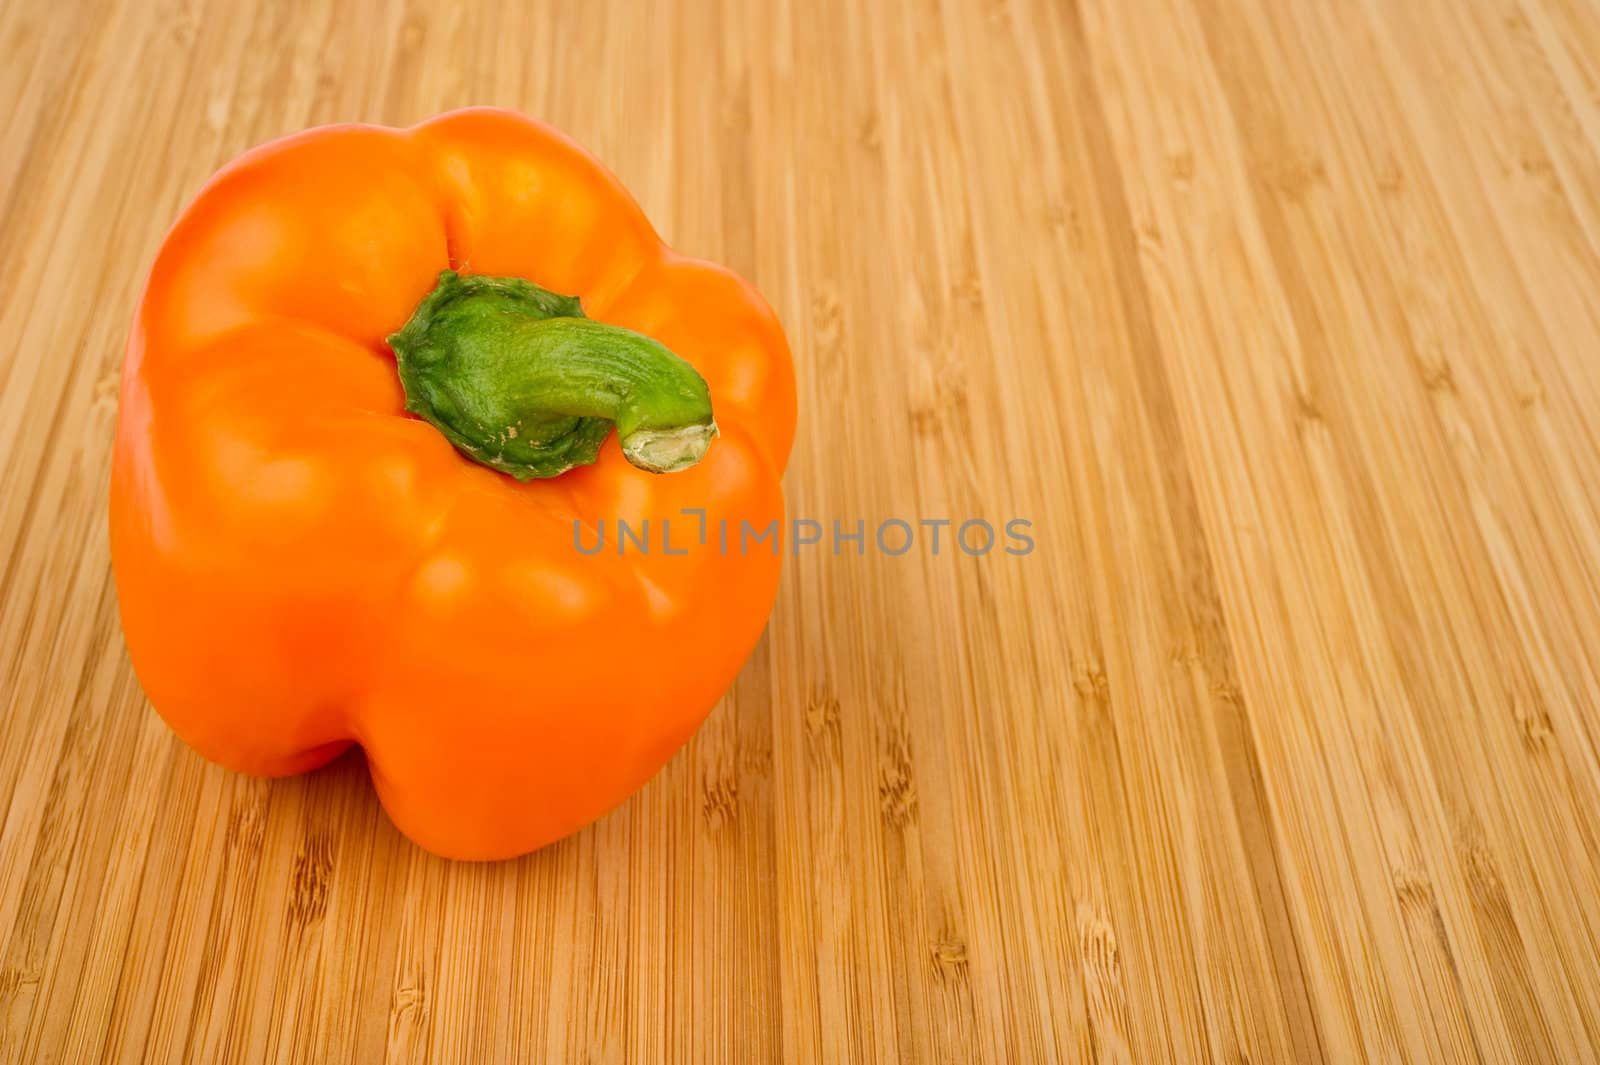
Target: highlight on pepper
(375, 378)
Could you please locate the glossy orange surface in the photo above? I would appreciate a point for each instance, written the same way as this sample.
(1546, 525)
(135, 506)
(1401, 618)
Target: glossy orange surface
(301, 565)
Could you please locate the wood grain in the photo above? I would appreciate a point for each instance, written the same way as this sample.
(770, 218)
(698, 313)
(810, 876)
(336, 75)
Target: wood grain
(1279, 320)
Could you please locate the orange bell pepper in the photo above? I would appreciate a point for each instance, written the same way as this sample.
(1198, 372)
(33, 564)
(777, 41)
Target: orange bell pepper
(362, 358)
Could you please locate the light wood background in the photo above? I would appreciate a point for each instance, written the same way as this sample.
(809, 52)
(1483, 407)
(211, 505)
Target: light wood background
(1281, 322)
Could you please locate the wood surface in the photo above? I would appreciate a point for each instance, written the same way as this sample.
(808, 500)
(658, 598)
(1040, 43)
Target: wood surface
(1279, 320)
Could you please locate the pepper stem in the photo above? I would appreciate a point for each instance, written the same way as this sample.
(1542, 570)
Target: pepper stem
(520, 381)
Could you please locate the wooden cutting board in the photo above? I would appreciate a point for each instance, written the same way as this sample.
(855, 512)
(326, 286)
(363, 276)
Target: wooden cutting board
(1279, 321)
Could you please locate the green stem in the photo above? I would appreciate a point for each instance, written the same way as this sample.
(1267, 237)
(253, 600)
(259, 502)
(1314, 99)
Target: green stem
(519, 380)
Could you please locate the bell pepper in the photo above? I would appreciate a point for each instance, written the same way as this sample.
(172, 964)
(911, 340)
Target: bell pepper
(385, 391)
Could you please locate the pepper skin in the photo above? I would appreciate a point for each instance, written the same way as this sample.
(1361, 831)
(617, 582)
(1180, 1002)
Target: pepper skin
(302, 564)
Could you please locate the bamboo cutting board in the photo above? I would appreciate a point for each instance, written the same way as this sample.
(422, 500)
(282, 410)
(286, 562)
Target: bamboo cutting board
(1280, 321)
